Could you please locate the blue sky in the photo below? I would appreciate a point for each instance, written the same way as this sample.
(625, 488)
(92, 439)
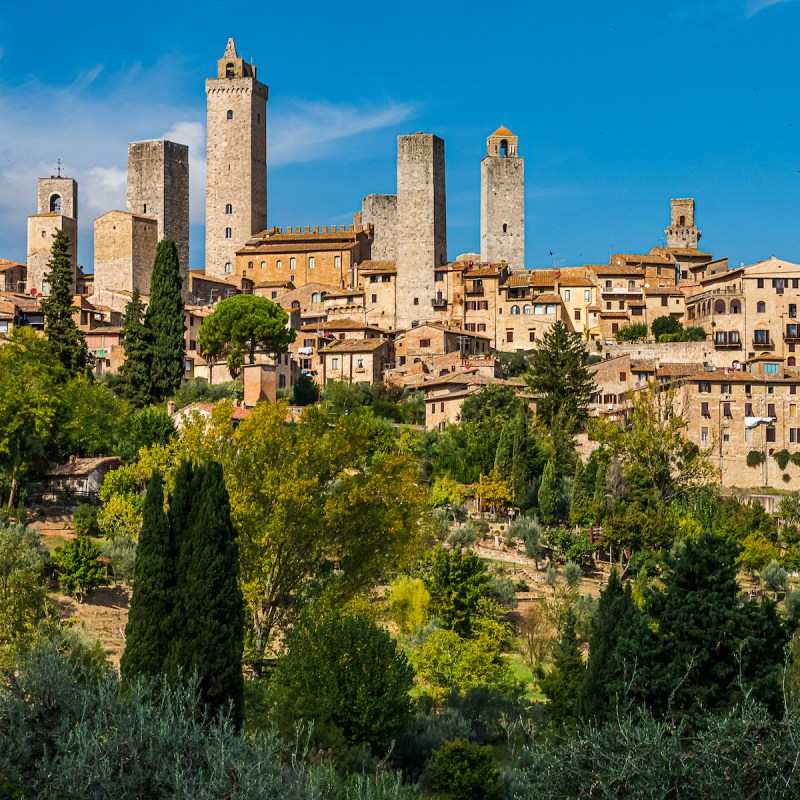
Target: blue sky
(619, 106)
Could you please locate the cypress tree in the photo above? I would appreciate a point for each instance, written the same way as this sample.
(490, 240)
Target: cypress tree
(135, 371)
(209, 636)
(579, 495)
(504, 454)
(164, 321)
(149, 632)
(519, 458)
(604, 671)
(67, 341)
(548, 493)
(562, 683)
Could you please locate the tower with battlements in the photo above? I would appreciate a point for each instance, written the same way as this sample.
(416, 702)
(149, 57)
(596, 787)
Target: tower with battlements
(57, 211)
(683, 233)
(503, 200)
(236, 161)
(421, 229)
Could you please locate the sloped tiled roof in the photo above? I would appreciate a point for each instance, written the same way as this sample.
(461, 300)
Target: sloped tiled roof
(354, 346)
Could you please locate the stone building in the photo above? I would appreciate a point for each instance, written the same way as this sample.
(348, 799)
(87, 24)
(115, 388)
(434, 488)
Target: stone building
(380, 211)
(356, 360)
(421, 223)
(503, 201)
(158, 187)
(236, 160)
(57, 211)
(125, 247)
(13, 276)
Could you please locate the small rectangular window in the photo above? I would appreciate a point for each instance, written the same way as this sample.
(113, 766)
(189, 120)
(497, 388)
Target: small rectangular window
(760, 283)
(704, 410)
(334, 363)
(532, 336)
(577, 314)
(748, 409)
(726, 410)
(703, 434)
(664, 299)
(292, 263)
(416, 301)
(509, 336)
(566, 295)
(623, 376)
(770, 434)
(587, 295)
(770, 409)
(424, 342)
(374, 298)
(311, 262)
(337, 262)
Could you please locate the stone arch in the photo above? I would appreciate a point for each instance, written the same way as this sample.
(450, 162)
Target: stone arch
(719, 306)
(55, 204)
(229, 115)
(515, 309)
(526, 309)
(230, 71)
(503, 148)
(316, 297)
(736, 306)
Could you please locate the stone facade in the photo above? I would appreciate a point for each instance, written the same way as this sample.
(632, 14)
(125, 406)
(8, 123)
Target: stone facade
(380, 211)
(236, 160)
(124, 251)
(57, 210)
(503, 201)
(683, 233)
(421, 223)
(13, 276)
(356, 360)
(158, 187)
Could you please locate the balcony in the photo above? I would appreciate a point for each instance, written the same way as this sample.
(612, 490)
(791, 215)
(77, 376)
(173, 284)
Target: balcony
(763, 345)
(792, 333)
(439, 302)
(474, 289)
(725, 340)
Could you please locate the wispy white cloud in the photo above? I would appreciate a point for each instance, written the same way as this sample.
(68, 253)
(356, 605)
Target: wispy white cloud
(89, 122)
(755, 6)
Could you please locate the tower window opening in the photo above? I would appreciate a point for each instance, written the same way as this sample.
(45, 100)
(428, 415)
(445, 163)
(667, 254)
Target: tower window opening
(228, 233)
(55, 204)
(682, 221)
(229, 209)
(144, 208)
(228, 267)
(230, 114)
(229, 72)
(504, 148)
(505, 228)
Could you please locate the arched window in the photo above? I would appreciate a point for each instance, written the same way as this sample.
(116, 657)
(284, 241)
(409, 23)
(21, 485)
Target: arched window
(719, 306)
(229, 209)
(264, 264)
(228, 267)
(551, 308)
(526, 309)
(228, 233)
(503, 148)
(761, 307)
(249, 265)
(538, 309)
(55, 204)
(515, 309)
(736, 307)
(229, 114)
(229, 71)
(316, 297)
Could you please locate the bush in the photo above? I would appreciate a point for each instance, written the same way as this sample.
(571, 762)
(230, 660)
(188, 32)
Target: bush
(695, 334)
(408, 604)
(427, 733)
(199, 389)
(465, 536)
(305, 391)
(631, 333)
(121, 553)
(755, 458)
(77, 567)
(775, 577)
(461, 770)
(665, 325)
(84, 520)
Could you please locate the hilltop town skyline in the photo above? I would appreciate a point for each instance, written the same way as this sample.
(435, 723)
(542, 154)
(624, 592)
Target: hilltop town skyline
(602, 153)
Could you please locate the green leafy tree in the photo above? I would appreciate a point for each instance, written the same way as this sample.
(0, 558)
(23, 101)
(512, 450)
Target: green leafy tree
(462, 770)
(23, 596)
(631, 333)
(305, 391)
(66, 340)
(244, 323)
(136, 380)
(560, 379)
(775, 577)
(408, 603)
(562, 683)
(121, 553)
(84, 520)
(346, 675)
(548, 494)
(147, 426)
(165, 322)
(209, 609)
(458, 583)
(757, 551)
(151, 620)
(29, 376)
(77, 567)
(665, 325)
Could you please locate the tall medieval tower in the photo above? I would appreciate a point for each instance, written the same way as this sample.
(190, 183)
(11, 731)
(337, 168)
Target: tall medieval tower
(236, 161)
(503, 200)
(158, 187)
(57, 211)
(683, 232)
(421, 241)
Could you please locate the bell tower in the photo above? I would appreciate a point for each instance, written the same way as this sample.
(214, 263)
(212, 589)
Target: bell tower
(236, 161)
(503, 200)
(682, 232)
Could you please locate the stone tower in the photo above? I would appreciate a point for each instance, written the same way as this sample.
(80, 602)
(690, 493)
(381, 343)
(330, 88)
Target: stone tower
(57, 211)
(683, 232)
(380, 211)
(124, 251)
(158, 187)
(236, 161)
(421, 242)
(503, 200)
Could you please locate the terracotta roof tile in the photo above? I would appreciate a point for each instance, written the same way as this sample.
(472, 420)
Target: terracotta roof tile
(377, 267)
(83, 466)
(354, 346)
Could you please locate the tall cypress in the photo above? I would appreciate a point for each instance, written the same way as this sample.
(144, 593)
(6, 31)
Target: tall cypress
(579, 496)
(66, 340)
(135, 371)
(562, 683)
(548, 496)
(149, 632)
(519, 457)
(209, 639)
(604, 671)
(504, 453)
(164, 321)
